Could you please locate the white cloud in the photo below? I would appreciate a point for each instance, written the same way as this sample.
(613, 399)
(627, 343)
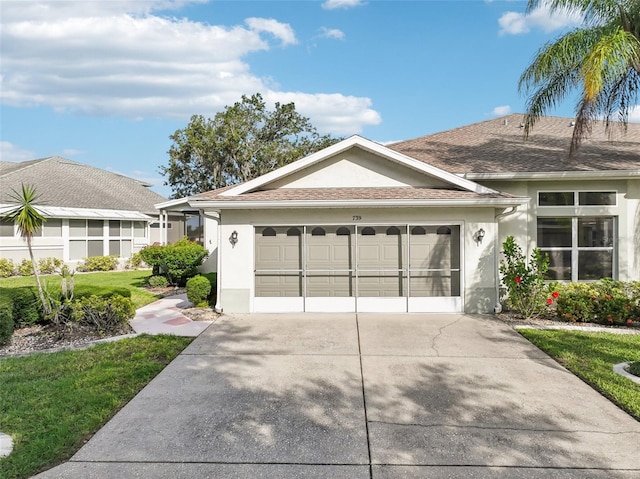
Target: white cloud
(119, 58)
(332, 33)
(281, 31)
(335, 4)
(13, 153)
(515, 23)
(501, 110)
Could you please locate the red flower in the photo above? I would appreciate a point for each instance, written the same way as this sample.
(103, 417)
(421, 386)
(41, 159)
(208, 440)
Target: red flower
(607, 296)
(555, 294)
(629, 321)
(549, 301)
(518, 279)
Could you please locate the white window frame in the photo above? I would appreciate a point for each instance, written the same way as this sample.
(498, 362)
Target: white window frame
(576, 198)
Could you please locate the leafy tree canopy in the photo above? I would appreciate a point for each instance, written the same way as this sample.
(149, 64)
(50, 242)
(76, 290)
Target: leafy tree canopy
(240, 143)
(600, 59)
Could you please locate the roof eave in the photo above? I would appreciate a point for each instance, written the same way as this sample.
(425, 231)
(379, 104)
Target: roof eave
(264, 204)
(555, 176)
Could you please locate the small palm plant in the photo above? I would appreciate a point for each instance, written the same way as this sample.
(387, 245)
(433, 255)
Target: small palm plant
(29, 220)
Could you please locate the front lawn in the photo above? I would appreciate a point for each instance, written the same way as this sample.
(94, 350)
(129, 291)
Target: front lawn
(591, 357)
(52, 403)
(132, 280)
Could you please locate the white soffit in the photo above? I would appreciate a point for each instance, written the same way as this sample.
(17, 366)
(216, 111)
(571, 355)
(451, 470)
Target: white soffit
(83, 213)
(367, 145)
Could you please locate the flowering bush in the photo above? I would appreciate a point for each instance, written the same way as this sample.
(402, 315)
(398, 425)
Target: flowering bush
(526, 288)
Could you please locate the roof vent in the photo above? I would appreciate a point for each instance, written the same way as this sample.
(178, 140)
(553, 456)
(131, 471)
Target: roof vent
(573, 123)
(505, 122)
(521, 125)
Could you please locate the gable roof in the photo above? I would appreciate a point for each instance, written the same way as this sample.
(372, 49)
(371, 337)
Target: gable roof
(356, 141)
(497, 146)
(60, 182)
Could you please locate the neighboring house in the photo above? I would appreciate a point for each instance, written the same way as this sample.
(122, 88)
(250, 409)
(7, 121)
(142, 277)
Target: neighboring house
(89, 211)
(418, 225)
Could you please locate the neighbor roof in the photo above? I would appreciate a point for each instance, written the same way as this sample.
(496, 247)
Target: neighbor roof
(61, 182)
(499, 146)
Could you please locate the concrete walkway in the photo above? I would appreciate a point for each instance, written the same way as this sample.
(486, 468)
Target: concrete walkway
(165, 317)
(362, 396)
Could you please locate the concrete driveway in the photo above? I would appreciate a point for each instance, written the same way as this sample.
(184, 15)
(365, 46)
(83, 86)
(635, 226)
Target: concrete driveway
(362, 396)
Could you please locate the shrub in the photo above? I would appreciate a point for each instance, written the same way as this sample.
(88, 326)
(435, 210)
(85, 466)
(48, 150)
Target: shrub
(105, 315)
(178, 261)
(158, 281)
(134, 262)
(198, 290)
(634, 368)
(49, 265)
(7, 268)
(576, 302)
(84, 290)
(526, 288)
(26, 309)
(7, 324)
(99, 263)
(25, 268)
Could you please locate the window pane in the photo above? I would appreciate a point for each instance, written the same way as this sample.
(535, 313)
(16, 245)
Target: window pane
(95, 248)
(77, 228)
(126, 228)
(114, 228)
(96, 227)
(139, 229)
(597, 198)
(554, 232)
(194, 230)
(6, 228)
(114, 247)
(556, 198)
(53, 227)
(594, 265)
(595, 232)
(77, 249)
(126, 249)
(559, 265)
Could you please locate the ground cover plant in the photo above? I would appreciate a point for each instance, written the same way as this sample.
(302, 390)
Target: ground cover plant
(51, 403)
(591, 357)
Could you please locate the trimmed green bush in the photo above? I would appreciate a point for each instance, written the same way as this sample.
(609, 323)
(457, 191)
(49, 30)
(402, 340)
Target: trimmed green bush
(634, 368)
(178, 261)
(134, 262)
(49, 265)
(25, 268)
(158, 281)
(7, 268)
(7, 324)
(25, 305)
(198, 290)
(83, 291)
(98, 263)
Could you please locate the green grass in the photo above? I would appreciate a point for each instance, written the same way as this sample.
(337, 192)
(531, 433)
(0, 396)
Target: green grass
(132, 280)
(591, 357)
(51, 403)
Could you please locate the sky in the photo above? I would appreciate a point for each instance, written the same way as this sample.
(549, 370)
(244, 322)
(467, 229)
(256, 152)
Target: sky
(106, 82)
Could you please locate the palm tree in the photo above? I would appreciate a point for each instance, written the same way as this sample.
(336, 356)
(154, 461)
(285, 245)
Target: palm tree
(601, 59)
(28, 219)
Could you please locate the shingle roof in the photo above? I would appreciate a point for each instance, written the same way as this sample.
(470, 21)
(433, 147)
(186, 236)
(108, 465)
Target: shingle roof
(498, 145)
(344, 194)
(62, 182)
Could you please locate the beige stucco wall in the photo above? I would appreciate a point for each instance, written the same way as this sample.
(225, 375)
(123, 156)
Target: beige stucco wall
(237, 263)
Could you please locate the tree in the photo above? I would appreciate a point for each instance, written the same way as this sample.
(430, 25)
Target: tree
(240, 143)
(601, 59)
(29, 220)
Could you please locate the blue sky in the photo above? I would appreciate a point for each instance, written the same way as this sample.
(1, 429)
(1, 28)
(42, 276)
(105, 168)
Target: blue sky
(106, 82)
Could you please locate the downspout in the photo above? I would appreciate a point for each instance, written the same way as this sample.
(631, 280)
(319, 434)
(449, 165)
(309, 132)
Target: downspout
(217, 218)
(496, 247)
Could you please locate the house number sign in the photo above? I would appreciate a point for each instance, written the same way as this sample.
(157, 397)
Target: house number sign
(356, 218)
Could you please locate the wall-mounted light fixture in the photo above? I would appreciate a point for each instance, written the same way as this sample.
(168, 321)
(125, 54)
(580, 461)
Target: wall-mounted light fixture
(233, 239)
(478, 236)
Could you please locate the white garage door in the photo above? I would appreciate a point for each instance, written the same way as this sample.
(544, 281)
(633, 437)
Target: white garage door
(348, 268)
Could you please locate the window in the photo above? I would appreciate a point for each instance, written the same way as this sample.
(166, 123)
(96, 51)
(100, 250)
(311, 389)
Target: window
(95, 227)
(293, 232)
(114, 228)
(6, 228)
(418, 230)
(343, 231)
(368, 231)
(268, 232)
(573, 198)
(317, 231)
(194, 228)
(140, 229)
(393, 231)
(52, 227)
(579, 248)
(77, 228)
(443, 230)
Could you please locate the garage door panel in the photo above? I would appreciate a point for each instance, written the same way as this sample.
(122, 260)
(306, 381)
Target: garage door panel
(330, 285)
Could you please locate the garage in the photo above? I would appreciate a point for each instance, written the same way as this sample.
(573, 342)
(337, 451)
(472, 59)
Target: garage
(358, 268)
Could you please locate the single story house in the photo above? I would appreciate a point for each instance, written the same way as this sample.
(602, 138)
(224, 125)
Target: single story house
(89, 211)
(418, 226)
